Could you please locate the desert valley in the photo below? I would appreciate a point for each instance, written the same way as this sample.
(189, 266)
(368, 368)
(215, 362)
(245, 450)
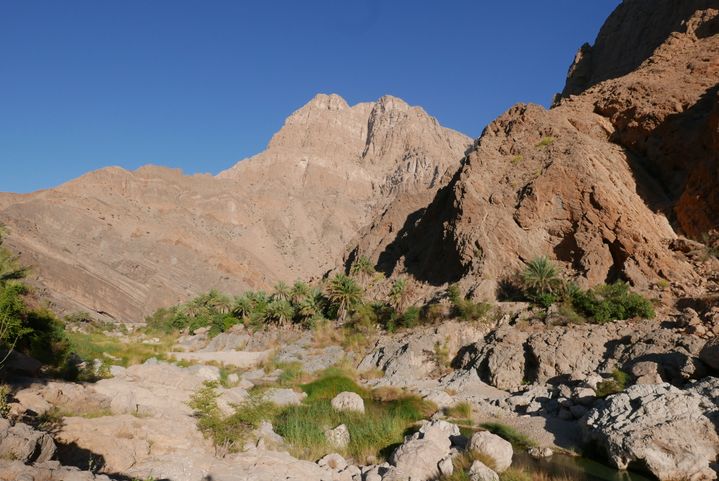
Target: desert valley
(375, 297)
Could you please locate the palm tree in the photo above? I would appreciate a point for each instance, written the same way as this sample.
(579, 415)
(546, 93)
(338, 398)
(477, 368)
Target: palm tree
(363, 269)
(243, 305)
(300, 290)
(398, 294)
(541, 276)
(311, 307)
(282, 291)
(280, 311)
(344, 293)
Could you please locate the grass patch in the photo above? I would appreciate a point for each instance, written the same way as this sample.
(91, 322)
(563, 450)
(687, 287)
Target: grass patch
(461, 410)
(510, 434)
(386, 420)
(620, 380)
(515, 474)
(545, 142)
(463, 461)
(98, 345)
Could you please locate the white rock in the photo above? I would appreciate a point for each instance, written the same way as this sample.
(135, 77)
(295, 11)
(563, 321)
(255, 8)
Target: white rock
(445, 466)
(338, 437)
(284, 397)
(348, 401)
(494, 447)
(333, 461)
(480, 472)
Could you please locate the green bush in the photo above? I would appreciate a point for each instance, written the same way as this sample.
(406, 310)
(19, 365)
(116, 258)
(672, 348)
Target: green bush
(464, 308)
(619, 382)
(612, 302)
(510, 434)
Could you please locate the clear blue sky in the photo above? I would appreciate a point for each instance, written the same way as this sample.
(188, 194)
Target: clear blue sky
(200, 84)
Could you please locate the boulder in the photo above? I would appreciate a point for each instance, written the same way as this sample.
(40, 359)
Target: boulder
(422, 456)
(481, 472)
(669, 431)
(494, 447)
(23, 443)
(348, 401)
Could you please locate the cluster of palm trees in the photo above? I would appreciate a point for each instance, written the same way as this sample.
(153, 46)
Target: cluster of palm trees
(336, 298)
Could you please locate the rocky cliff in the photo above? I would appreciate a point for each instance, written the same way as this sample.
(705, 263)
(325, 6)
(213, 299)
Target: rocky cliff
(603, 181)
(123, 243)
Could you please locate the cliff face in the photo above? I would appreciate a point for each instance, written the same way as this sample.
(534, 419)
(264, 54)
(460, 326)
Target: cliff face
(124, 243)
(602, 182)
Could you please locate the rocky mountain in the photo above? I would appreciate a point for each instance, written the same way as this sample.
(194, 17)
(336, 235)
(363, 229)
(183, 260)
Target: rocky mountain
(123, 243)
(625, 161)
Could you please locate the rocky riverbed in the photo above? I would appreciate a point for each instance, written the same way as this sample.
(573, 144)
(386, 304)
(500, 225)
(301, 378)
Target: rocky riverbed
(547, 384)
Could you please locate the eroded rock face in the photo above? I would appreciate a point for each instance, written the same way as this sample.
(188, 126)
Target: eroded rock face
(668, 431)
(509, 357)
(122, 244)
(22, 443)
(602, 182)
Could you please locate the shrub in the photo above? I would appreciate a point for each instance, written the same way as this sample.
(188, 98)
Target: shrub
(464, 308)
(620, 380)
(541, 282)
(611, 302)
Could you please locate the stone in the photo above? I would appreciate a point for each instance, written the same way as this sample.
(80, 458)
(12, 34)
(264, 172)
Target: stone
(421, 456)
(23, 443)
(710, 353)
(445, 466)
(668, 430)
(333, 461)
(481, 472)
(348, 401)
(284, 397)
(493, 446)
(338, 437)
(540, 453)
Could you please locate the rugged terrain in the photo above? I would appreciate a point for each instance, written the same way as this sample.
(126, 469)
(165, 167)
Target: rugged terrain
(604, 181)
(619, 180)
(122, 243)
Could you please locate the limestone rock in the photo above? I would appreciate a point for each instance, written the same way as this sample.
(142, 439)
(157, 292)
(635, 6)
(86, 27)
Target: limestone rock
(494, 447)
(670, 431)
(338, 437)
(420, 456)
(23, 443)
(480, 472)
(348, 401)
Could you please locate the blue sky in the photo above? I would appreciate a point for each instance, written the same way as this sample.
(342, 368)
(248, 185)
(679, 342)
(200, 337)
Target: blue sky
(201, 84)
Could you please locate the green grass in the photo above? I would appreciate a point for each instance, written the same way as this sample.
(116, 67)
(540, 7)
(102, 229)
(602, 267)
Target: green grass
(517, 439)
(545, 142)
(461, 410)
(94, 346)
(515, 474)
(372, 434)
(620, 380)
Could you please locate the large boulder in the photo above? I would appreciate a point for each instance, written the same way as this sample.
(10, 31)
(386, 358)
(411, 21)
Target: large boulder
(420, 456)
(669, 431)
(23, 443)
(494, 447)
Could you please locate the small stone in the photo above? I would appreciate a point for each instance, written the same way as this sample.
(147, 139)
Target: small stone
(481, 472)
(540, 453)
(338, 437)
(348, 401)
(333, 461)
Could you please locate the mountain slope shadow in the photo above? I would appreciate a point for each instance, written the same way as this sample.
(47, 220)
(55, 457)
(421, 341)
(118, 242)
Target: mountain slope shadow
(423, 245)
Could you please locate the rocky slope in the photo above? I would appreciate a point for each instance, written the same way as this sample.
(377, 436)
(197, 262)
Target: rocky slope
(124, 243)
(603, 181)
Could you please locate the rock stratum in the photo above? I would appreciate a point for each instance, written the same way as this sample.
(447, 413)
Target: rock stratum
(122, 244)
